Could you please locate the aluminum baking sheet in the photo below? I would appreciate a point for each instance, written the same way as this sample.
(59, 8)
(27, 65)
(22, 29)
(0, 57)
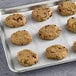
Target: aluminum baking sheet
(37, 45)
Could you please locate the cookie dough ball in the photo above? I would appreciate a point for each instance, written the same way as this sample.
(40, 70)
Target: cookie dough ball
(42, 13)
(27, 57)
(56, 52)
(71, 24)
(49, 32)
(15, 20)
(22, 37)
(74, 46)
(67, 8)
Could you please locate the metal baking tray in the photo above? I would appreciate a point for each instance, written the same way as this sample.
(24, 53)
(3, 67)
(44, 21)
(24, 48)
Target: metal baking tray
(66, 38)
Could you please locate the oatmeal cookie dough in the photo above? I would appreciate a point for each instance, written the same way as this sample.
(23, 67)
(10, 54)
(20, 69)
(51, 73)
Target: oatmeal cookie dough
(22, 37)
(49, 32)
(67, 8)
(56, 52)
(74, 46)
(27, 57)
(71, 24)
(42, 13)
(15, 20)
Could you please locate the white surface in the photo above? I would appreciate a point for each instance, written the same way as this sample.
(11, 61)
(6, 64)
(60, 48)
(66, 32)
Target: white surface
(66, 38)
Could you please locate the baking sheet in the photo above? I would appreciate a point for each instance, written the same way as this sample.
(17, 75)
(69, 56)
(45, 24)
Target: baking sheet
(37, 45)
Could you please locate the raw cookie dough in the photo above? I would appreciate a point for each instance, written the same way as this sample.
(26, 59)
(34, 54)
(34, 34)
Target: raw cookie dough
(67, 8)
(27, 57)
(49, 32)
(22, 37)
(74, 46)
(56, 52)
(71, 24)
(15, 20)
(42, 13)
